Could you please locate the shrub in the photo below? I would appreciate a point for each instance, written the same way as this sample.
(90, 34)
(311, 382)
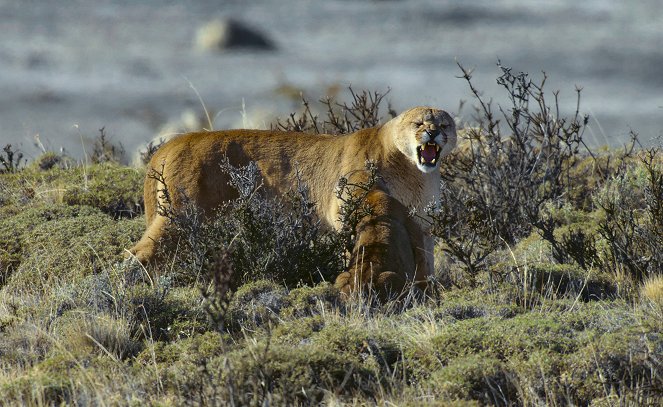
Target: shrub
(633, 221)
(363, 111)
(622, 363)
(286, 375)
(167, 313)
(541, 281)
(260, 303)
(530, 170)
(497, 187)
(102, 334)
(268, 238)
(69, 247)
(256, 304)
(17, 225)
(504, 339)
(307, 301)
(474, 377)
(112, 188)
(23, 344)
(51, 160)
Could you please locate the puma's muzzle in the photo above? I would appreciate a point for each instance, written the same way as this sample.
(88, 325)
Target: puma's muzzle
(428, 153)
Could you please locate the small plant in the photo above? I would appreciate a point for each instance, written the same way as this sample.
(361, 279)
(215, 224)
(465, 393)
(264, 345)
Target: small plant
(150, 149)
(579, 246)
(50, 160)
(362, 112)
(219, 292)
(105, 151)
(11, 160)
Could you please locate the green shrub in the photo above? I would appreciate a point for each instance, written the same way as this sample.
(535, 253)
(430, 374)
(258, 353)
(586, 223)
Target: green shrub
(114, 189)
(167, 313)
(17, 225)
(170, 365)
(473, 377)
(256, 304)
(293, 375)
(71, 248)
(65, 380)
(632, 225)
(23, 345)
(567, 281)
(377, 349)
(593, 318)
(622, 363)
(298, 331)
(263, 302)
(305, 301)
(51, 382)
(538, 380)
(50, 160)
(503, 338)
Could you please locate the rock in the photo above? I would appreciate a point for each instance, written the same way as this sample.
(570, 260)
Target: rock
(219, 35)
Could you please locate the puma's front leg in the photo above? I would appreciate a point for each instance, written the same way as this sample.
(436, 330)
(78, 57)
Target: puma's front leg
(389, 252)
(423, 246)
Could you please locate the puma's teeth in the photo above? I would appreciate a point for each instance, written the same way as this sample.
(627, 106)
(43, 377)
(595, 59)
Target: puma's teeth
(433, 161)
(421, 160)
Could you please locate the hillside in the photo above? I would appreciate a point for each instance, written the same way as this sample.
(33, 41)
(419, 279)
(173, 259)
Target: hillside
(548, 289)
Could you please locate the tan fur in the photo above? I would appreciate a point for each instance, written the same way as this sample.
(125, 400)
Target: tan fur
(392, 249)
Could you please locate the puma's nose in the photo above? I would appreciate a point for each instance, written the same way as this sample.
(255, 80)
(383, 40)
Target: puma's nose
(433, 133)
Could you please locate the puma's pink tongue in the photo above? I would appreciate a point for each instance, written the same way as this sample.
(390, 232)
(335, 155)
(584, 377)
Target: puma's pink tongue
(429, 152)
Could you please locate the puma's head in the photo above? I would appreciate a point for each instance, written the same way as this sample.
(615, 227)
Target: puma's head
(424, 134)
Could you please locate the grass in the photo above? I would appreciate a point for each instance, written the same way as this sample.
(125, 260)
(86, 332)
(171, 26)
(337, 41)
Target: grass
(544, 315)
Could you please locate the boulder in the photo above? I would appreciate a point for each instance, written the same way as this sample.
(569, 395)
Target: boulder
(220, 35)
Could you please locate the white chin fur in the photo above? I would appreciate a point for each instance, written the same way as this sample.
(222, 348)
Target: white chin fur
(426, 169)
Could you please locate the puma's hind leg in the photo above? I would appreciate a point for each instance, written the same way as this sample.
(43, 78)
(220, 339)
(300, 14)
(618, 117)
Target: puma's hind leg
(147, 248)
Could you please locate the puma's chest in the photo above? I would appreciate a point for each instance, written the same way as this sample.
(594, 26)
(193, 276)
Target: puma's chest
(416, 192)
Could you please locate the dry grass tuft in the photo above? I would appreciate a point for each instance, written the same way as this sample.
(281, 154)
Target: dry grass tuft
(652, 290)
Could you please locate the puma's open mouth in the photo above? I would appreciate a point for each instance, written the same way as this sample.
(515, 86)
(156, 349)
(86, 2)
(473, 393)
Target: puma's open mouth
(428, 154)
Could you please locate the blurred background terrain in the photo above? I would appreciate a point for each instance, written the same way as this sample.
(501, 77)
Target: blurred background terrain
(71, 67)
